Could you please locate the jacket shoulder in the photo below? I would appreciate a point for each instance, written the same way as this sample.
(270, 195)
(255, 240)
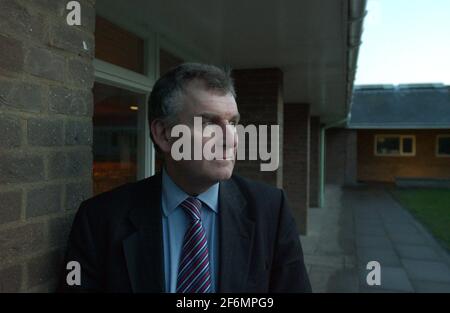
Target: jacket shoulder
(255, 187)
(118, 200)
(109, 196)
(264, 199)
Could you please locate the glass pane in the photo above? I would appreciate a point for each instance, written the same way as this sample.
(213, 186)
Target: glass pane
(115, 136)
(407, 145)
(444, 145)
(118, 46)
(388, 145)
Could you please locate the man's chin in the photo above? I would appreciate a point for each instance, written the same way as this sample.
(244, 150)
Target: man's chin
(223, 170)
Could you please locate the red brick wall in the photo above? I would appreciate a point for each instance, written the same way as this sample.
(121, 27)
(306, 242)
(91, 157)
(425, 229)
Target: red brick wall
(424, 164)
(259, 99)
(296, 160)
(314, 148)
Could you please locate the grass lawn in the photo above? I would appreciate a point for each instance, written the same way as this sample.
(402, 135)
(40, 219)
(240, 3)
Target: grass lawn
(431, 207)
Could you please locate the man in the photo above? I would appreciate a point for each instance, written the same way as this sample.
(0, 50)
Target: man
(194, 227)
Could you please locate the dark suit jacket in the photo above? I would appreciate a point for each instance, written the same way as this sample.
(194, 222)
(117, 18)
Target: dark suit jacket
(117, 239)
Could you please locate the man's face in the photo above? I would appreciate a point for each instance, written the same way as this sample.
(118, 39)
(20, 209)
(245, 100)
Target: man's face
(214, 109)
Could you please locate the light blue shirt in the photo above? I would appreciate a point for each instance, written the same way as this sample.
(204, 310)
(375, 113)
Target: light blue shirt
(175, 223)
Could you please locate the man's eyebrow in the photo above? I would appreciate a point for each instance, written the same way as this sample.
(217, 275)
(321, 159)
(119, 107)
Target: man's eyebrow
(212, 116)
(208, 116)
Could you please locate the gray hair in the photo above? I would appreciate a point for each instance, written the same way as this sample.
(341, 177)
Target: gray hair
(165, 100)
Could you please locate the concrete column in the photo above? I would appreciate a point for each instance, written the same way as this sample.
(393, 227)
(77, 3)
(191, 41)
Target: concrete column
(351, 157)
(340, 156)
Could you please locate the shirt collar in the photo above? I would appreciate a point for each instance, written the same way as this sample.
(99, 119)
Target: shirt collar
(173, 195)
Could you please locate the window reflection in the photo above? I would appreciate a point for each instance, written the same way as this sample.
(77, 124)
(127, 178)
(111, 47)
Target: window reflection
(115, 136)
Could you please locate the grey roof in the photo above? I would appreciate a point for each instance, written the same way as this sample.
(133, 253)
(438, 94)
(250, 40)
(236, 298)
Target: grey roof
(403, 106)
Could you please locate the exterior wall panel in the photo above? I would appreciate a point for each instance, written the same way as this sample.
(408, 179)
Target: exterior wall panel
(424, 164)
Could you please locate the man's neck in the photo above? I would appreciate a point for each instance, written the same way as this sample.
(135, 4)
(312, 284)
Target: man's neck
(192, 188)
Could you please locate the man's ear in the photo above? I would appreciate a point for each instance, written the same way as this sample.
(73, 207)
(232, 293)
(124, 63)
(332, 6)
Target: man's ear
(160, 136)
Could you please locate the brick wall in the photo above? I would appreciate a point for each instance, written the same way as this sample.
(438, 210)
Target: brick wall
(296, 160)
(314, 161)
(46, 76)
(424, 164)
(259, 99)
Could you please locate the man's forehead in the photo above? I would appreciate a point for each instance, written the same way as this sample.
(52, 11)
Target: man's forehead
(195, 84)
(216, 115)
(204, 97)
(214, 104)
(199, 89)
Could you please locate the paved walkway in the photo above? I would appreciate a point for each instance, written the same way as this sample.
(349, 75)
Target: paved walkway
(362, 224)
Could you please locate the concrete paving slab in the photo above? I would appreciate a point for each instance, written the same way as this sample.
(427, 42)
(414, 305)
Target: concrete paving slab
(427, 270)
(392, 279)
(418, 252)
(325, 261)
(400, 228)
(367, 241)
(430, 287)
(413, 239)
(344, 281)
(384, 256)
(358, 225)
(319, 277)
(370, 229)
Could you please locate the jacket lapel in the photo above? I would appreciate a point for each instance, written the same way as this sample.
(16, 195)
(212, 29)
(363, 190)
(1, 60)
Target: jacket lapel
(236, 238)
(144, 248)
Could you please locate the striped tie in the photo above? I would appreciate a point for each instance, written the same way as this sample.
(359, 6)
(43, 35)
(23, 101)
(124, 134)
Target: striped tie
(193, 269)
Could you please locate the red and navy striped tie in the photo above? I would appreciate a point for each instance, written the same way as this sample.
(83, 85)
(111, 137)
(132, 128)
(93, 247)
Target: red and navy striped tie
(193, 270)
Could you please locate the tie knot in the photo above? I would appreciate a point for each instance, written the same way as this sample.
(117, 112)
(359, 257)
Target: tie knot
(192, 206)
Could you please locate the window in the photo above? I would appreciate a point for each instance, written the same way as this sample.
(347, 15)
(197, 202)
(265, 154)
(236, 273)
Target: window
(395, 145)
(116, 131)
(443, 145)
(118, 46)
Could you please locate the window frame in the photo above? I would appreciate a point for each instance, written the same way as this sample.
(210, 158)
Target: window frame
(401, 137)
(439, 155)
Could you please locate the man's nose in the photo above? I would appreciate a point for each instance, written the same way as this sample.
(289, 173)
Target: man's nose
(230, 135)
